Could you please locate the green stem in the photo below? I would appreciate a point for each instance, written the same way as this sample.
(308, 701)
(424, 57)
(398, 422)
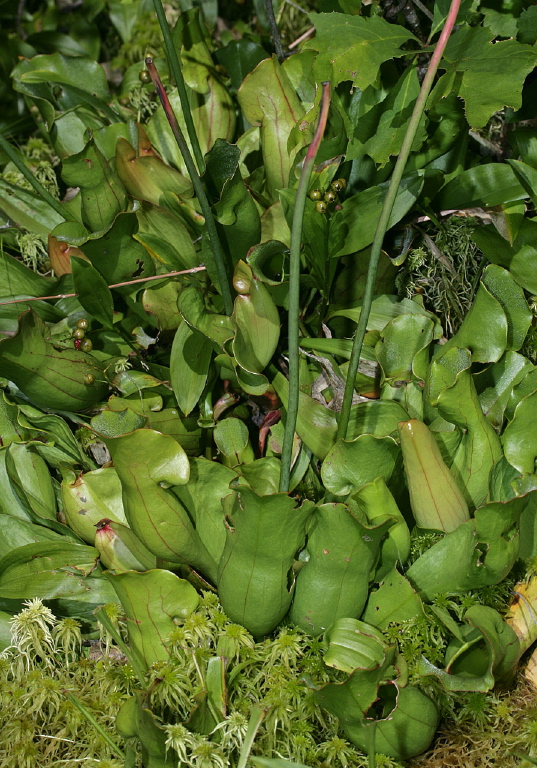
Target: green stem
(257, 716)
(177, 73)
(382, 225)
(216, 247)
(28, 175)
(89, 717)
(294, 291)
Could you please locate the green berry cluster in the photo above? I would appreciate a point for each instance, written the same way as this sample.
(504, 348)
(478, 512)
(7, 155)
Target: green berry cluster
(322, 201)
(79, 335)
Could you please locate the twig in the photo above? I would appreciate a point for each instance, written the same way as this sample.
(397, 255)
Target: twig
(308, 33)
(216, 247)
(294, 291)
(115, 285)
(384, 218)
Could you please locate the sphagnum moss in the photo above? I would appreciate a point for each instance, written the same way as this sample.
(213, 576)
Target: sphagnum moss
(41, 727)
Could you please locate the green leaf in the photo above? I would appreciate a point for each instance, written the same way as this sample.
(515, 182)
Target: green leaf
(133, 719)
(90, 497)
(354, 47)
(152, 601)
(354, 645)
(334, 582)
(353, 227)
(27, 210)
(379, 132)
(403, 352)
(31, 479)
(492, 73)
(147, 463)
(394, 600)
(102, 193)
(267, 99)
(478, 553)
(350, 465)
(256, 321)
(233, 442)
(93, 292)
(518, 439)
(255, 574)
(375, 501)
(436, 500)
(51, 377)
(191, 303)
(484, 185)
(48, 569)
(452, 391)
(239, 57)
(496, 384)
(189, 366)
(17, 533)
(409, 722)
(202, 496)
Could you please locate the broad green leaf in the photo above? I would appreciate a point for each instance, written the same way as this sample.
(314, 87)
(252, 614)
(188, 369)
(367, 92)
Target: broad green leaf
(255, 574)
(496, 385)
(151, 602)
(492, 73)
(130, 258)
(48, 569)
(256, 321)
(102, 193)
(268, 100)
(147, 177)
(354, 645)
(161, 303)
(31, 480)
(350, 465)
(185, 430)
(51, 377)
(384, 309)
(202, 497)
(518, 439)
(17, 532)
(375, 501)
(17, 280)
(147, 463)
(379, 132)
(10, 503)
(498, 319)
(518, 258)
(93, 292)
(166, 237)
(436, 500)
(394, 600)
(239, 58)
(27, 210)
(189, 366)
(484, 185)
(452, 391)
(353, 227)
(354, 47)
(407, 726)
(403, 352)
(316, 425)
(334, 582)
(191, 303)
(478, 553)
(233, 442)
(483, 330)
(90, 497)
(501, 639)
